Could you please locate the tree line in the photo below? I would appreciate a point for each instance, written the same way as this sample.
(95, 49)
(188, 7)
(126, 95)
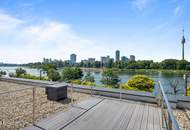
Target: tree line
(171, 64)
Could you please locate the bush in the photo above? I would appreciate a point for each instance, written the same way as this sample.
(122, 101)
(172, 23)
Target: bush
(20, 71)
(109, 78)
(127, 87)
(12, 75)
(76, 81)
(88, 77)
(88, 83)
(188, 90)
(3, 72)
(29, 76)
(53, 75)
(141, 82)
(69, 74)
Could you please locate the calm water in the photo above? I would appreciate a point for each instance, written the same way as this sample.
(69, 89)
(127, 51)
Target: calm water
(124, 77)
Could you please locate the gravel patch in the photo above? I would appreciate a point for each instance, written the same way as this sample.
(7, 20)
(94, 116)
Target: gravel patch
(16, 108)
(183, 117)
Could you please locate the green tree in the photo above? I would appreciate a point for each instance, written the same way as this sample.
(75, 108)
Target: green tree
(3, 72)
(89, 77)
(109, 77)
(182, 64)
(69, 74)
(20, 71)
(48, 66)
(53, 75)
(169, 64)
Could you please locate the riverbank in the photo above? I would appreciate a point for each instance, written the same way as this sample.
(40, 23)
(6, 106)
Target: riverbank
(138, 70)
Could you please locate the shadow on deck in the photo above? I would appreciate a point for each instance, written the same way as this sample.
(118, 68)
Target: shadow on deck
(104, 113)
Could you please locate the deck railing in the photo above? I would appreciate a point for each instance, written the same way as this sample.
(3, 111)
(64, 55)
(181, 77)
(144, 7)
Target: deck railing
(168, 119)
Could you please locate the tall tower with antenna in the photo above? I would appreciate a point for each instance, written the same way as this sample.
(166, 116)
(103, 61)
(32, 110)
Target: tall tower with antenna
(183, 43)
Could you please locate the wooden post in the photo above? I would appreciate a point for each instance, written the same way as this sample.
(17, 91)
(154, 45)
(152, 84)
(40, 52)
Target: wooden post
(33, 113)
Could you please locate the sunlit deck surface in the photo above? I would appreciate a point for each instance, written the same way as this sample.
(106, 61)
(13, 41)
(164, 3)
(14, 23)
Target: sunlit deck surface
(98, 113)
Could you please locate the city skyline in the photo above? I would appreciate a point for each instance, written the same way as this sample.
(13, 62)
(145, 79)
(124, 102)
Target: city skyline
(31, 30)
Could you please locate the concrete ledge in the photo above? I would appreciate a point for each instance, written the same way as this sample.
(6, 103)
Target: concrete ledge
(115, 93)
(31, 82)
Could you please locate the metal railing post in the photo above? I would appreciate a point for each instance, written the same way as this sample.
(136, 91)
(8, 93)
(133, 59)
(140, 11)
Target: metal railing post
(33, 112)
(120, 93)
(162, 110)
(169, 122)
(91, 91)
(71, 94)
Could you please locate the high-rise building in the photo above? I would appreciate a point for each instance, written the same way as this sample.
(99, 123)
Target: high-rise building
(132, 58)
(124, 59)
(183, 43)
(73, 58)
(117, 55)
(91, 60)
(103, 59)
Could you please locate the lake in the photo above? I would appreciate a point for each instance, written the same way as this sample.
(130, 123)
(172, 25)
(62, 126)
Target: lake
(165, 78)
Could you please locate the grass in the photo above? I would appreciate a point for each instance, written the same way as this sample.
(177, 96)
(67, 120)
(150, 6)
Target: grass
(29, 76)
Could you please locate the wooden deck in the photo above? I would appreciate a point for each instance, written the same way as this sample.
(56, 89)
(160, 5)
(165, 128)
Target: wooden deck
(104, 114)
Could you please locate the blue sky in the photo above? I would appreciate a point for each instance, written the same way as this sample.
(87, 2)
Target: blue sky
(148, 29)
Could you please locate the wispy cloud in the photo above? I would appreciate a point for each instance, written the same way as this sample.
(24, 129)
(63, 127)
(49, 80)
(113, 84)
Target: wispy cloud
(178, 11)
(141, 4)
(8, 23)
(30, 42)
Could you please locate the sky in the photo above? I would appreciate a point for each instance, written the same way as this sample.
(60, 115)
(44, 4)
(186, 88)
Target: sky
(148, 29)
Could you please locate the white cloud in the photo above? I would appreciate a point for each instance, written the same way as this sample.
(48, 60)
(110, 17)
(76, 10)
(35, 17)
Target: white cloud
(178, 11)
(26, 42)
(8, 23)
(141, 4)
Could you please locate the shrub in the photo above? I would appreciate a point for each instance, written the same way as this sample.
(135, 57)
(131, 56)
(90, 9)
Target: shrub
(188, 90)
(69, 74)
(53, 75)
(88, 83)
(20, 71)
(11, 75)
(88, 77)
(127, 87)
(109, 77)
(3, 72)
(141, 82)
(76, 81)
(29, 76)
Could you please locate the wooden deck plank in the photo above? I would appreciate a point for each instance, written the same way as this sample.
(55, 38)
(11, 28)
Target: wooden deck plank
(138, 121)
(92, 119)
(150, 124)
(59, 120)
(118, 116)
(87, 104)
(134, 117)
(144, 118)
(125, 119)
(31, 128)
(157, 124)
(108, 114)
